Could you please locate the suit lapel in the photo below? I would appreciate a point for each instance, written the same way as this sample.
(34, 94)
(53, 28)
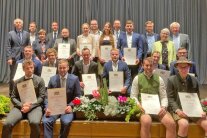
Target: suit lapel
(58, 81)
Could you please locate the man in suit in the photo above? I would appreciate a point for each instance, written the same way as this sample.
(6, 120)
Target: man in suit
(85, 66)
(183, 83)
(182, 52)
(51, 58)
(32, 32)
(180, 39)
(150, 83)
(28, 52)
(117, 29)
(71, 83)
(131, 40)
(66, 39)
(16, 41)
(149, 37)
(118, 65)
(41, 45)
(27, 110)
(52, 36)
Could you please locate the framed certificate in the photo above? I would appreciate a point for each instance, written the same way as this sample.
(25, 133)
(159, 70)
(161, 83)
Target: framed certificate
(57, 100)
(130, 56)
(63, 50)
(148, 100)
(26, 91)
(164, 74)
(90, 83)
(105, 52)
(48, 72)
(116, 81)
(19, 72)
(190, 103)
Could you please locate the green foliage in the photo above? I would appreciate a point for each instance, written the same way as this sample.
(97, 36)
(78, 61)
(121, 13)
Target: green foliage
(104, 93)
(4, 104)
(134, 111)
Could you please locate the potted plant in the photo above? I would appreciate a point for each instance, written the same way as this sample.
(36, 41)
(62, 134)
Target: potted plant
(5, 103)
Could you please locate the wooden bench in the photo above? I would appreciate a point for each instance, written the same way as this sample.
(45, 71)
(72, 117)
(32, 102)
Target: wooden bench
(102, 129)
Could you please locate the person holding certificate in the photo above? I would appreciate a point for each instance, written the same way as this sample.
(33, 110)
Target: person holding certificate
(131, 39)
(116, 65)
(86, 40)
(71, 84)
(85, 66)
(183, 83)
(149, 83)
(65, 39)
(27, 110)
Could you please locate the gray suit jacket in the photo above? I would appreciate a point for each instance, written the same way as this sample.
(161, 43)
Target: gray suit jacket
(78, 69)
(185, 42)
(70, 41)
(15, 45)
(39, 86)
(50, 38)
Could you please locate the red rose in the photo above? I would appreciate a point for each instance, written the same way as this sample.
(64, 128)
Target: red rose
(76, 101)
(204, 103)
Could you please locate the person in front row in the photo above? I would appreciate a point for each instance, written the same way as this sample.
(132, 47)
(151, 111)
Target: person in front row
(71, 83)
(150, 83)
(85, 66)
(30, 111)
(118, 65)
(182, 82)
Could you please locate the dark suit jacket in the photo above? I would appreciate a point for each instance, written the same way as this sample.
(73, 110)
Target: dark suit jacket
(176, 84)
(137, 43)
(37, 47)
(78, 69)
(50, 38)
(122, 66)
(145, 43)
(39, 86)
(15, 46)
(70, 41)
(174, 70)
(72, 87)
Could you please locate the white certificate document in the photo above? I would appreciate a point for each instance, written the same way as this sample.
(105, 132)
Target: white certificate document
(48, 72)
(27, 92)
(19, 72)
(116, 81)
(90, 83)
(89, 46)
(63, 50)
(190, 104)
(164, 74)
(57, 100)
(150, 103)
(130, 55)
(105, 52)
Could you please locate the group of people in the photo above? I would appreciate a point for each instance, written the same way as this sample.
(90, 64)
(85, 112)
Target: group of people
(163, 51)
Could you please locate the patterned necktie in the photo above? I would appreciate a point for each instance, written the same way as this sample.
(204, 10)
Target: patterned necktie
(164, 54)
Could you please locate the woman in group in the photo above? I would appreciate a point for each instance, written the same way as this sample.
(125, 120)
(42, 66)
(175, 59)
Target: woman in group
(166, 48)
(86, 40)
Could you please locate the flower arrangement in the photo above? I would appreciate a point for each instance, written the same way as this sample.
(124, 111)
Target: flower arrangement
(109, 105)
(204, 104)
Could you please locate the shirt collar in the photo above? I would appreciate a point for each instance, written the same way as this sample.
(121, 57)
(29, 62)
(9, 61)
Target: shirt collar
(66, 75)
(27, 78)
